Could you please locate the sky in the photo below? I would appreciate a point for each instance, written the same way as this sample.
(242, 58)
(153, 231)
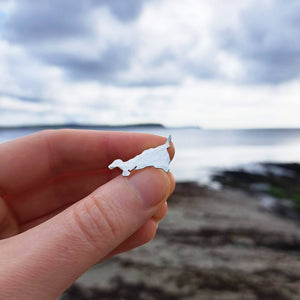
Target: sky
(214, 64)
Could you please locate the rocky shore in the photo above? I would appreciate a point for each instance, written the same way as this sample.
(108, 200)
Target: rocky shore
(277, 185)
(213, 244)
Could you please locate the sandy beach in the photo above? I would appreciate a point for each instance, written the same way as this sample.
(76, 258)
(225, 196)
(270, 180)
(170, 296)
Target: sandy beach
(213, 244)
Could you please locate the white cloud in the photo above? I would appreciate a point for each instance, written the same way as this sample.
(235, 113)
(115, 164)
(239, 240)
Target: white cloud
(216, 104)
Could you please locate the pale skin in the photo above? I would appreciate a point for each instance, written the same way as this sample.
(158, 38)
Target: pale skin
(62, 210)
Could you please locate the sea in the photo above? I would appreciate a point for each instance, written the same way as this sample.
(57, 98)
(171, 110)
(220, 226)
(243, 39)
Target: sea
(200, 153)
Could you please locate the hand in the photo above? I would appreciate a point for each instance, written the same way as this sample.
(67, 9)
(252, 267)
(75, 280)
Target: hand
(62, 210)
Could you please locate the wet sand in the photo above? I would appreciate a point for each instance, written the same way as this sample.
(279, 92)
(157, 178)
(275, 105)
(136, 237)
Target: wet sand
(211, 245)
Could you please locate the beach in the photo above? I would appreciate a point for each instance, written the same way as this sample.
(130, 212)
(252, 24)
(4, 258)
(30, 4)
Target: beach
(213, 244)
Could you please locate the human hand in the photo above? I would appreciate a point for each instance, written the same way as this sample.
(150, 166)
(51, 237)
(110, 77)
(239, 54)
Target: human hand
(62, 210)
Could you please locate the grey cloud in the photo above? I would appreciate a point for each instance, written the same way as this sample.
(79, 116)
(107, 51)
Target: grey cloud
(126, 11)
(21, 97)
(118, 57)
(204, 68)
(149, 82)
(268, 42)
(35, 24)
(35, 21)
(102, 68)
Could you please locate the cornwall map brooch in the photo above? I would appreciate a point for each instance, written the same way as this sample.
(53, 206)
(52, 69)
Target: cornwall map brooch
(153, 157)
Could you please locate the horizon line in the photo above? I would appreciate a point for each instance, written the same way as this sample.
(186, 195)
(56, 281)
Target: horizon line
(131, 125)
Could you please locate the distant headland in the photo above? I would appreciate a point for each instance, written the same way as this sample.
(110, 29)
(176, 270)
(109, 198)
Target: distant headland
(93, 126)
(82, 126)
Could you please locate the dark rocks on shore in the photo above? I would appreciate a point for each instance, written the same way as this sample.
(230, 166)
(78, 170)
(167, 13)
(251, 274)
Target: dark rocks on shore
(278, 185)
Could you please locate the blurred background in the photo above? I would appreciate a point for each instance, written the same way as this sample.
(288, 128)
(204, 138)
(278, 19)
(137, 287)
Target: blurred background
(223, 77)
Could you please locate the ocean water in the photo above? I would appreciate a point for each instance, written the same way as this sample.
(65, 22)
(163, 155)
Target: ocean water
(202, 152)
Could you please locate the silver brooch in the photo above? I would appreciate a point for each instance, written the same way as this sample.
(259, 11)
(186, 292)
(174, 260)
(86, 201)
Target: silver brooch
(153, 157)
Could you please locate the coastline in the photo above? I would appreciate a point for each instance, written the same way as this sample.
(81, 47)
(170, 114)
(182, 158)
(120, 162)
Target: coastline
(213, 244)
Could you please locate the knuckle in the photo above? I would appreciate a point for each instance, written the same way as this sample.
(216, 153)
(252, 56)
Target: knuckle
(111, 221)
(97, 224)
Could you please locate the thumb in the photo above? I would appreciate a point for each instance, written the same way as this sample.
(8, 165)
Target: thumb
(53, 254)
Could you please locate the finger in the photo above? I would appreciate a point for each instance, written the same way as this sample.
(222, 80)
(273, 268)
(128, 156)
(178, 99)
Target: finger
(144, 235)
(30, 160)
(23, 226)
(56, 193)
(147, 232)
(56, 252)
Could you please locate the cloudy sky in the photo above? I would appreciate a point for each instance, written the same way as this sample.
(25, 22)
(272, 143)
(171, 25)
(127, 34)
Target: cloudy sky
(217, 64)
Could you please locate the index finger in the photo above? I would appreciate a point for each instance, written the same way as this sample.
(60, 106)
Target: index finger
(33, 159)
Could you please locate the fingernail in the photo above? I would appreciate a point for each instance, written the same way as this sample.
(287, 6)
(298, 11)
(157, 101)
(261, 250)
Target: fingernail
(152, 185)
